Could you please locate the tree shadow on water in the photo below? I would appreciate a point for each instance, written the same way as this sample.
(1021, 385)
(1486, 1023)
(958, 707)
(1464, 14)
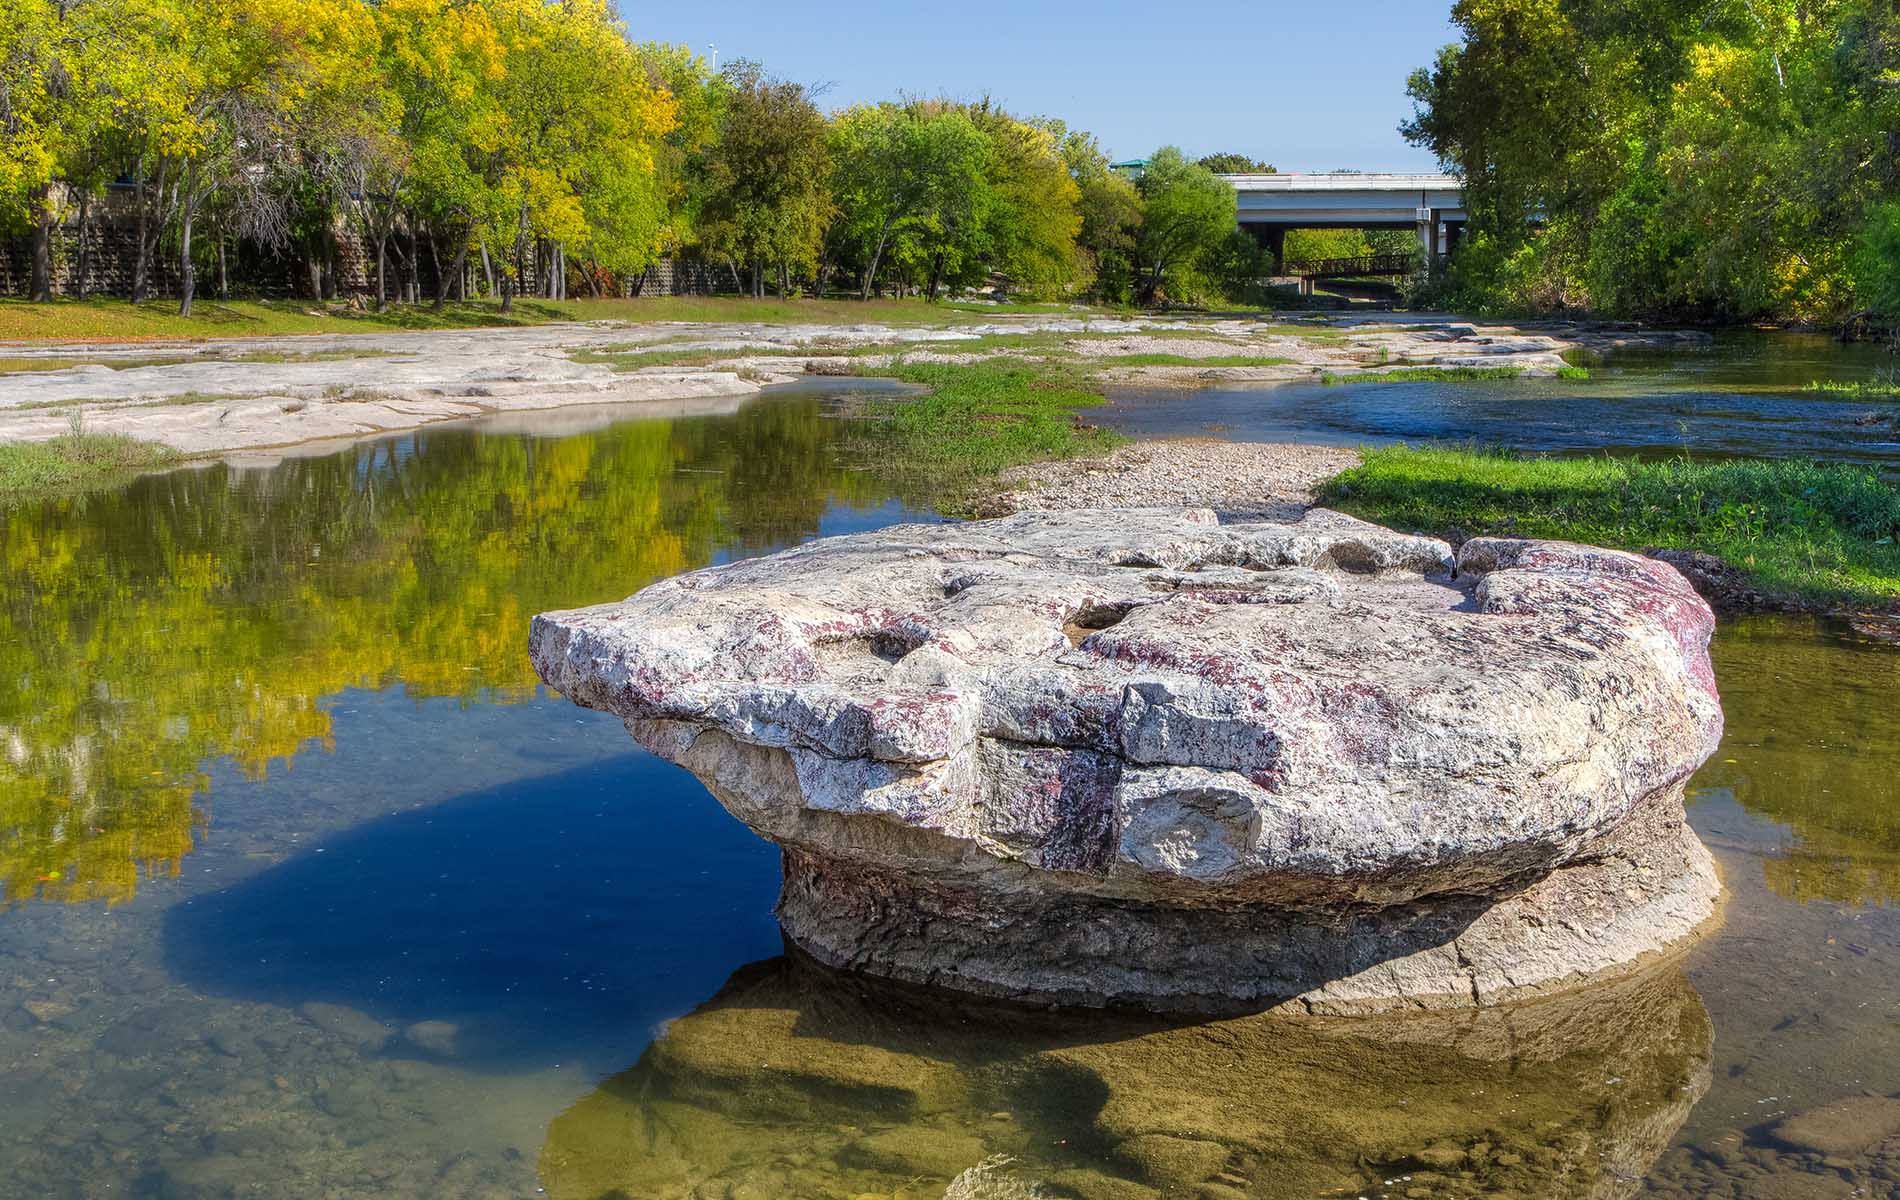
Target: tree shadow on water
(555, 919)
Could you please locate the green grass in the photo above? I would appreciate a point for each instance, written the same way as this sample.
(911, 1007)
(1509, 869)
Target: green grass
(116, 320)
(974, 421)
(1802, 532)
(76, 461)
(1857, 389)
(1568, 372)
(1423, 375)
(1185, 360)
(641, 359)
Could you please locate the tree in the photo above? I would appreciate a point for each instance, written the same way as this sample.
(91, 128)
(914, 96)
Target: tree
(766, 177)
(1109, 209)
(699, 101)
(1638, 156)
(1227, 163)
(909, 169)
(573, 158)
(56, 64)
(1187, 214)
(1033, 214)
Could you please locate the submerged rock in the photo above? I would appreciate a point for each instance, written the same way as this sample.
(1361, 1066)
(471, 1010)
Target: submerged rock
(1569, 1096)
(1139, 756)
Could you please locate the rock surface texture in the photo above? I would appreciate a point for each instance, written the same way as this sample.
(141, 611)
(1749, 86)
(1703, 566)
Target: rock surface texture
(1138, 756)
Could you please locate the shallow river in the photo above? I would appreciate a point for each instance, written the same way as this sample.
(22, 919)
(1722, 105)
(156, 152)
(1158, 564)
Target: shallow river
(1747, 395)
(311, 893)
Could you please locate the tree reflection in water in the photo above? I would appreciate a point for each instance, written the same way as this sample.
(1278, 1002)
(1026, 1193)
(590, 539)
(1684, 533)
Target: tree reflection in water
(208, 613)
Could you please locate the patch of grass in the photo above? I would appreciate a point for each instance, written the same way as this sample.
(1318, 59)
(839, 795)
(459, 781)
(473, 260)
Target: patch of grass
(76, 461)
(1802, 532)
(1185, 360)
(1312, 332)
(974, 421)
(635, 360)
(1570, 372)
(115, 320)
(24, 366)
(109, 319)
(1423, 375)
(331, 354)
(1857, 389)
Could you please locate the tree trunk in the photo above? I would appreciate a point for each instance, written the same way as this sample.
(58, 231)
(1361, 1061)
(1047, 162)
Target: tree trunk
(224, 279)
(738, 285)
(509, 287)
(442, 277)
(936, 275)
(877, 255)
(521, 260)
(141, 263)
(382, 267)
(488, 268)
(40, 288)
(186, 277)
(415, 262)
(85, 242)
(592, 272)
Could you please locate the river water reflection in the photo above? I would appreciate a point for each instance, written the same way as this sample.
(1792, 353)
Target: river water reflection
(310, 892)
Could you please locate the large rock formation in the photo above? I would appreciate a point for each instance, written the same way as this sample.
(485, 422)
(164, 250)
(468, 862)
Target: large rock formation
(1139, 756)
(794, 1081)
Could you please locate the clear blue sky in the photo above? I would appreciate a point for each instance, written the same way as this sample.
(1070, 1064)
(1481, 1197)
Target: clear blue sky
(1303, 84)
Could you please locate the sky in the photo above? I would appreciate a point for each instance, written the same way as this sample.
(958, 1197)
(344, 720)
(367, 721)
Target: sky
(1313, 85)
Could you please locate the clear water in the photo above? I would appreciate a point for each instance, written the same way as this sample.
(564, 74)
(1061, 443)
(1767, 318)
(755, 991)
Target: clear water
(310, 892)
(1744, 396)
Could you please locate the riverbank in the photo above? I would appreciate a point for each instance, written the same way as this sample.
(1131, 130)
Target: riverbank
(220, 396)
(107, 320)
(1751, 536)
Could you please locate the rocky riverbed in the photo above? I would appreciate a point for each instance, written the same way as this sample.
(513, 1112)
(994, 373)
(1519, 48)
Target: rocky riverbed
(1269, 480)
(228, 395)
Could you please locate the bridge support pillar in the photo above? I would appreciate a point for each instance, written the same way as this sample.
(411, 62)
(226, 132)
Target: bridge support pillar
(1428, 235)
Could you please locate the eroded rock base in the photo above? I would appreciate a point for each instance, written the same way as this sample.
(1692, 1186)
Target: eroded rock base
(1645, 888)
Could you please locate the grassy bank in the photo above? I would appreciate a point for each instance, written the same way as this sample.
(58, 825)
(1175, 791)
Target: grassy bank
(976, 421)
(75, 462)
(116, 320)
(1802, 533)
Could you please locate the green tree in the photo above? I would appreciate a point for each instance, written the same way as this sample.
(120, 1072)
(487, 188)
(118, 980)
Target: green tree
(913, 171)
(767, 177)
(1188, 214)
(1720, 156)
(572, 162)
(1228, 163)
(1109, 209)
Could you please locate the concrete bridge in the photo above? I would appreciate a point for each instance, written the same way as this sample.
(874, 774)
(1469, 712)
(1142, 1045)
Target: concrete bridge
(1431, 205)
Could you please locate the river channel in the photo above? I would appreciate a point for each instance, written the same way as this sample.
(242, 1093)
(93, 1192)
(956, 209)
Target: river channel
(310, 891)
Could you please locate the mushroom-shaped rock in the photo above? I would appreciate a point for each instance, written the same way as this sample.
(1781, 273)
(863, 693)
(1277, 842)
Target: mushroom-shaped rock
(1139, 756)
